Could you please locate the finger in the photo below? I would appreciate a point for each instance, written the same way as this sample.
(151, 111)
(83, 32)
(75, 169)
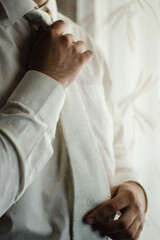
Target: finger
(86, 56)
(138, 232)
(68, 39)
(79, 46)
(58, 27)
(128, 233)
(109, 208)
(117, 226)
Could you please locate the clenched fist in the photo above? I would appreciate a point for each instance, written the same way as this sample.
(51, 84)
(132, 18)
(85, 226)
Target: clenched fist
(57, 55)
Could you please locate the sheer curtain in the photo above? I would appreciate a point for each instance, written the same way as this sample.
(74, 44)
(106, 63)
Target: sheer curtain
(128, 33)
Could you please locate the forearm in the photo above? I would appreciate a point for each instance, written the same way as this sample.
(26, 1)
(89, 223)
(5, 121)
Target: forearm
(27, 128)
(9, 174)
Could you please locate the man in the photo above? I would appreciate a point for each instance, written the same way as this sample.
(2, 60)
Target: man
(64, 169)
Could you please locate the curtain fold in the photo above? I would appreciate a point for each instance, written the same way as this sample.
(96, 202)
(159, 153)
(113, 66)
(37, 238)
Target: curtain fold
(128, 33)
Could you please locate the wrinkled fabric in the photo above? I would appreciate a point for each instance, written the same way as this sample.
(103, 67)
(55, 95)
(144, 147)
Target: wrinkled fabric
(64, 148)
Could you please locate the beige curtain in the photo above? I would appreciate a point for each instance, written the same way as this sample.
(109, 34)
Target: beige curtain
(128, 33)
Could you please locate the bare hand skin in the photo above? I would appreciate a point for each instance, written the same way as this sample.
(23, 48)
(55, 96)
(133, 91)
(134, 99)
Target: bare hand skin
(129, 199)
(57, 55)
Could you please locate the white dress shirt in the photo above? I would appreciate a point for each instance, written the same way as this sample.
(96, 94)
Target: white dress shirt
(60, 150)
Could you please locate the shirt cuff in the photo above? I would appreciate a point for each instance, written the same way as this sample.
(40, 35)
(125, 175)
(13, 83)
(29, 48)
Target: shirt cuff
(131, 177)
(44, 95)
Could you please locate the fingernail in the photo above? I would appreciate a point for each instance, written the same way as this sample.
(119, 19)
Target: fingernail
(90, 221)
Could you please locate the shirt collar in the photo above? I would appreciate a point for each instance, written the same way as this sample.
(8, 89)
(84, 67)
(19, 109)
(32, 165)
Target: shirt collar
(16, 9)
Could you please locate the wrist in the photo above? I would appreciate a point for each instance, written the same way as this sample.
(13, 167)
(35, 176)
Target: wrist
(142, 193)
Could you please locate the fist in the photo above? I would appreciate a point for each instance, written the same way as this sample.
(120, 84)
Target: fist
(57, 55)
(128, 199)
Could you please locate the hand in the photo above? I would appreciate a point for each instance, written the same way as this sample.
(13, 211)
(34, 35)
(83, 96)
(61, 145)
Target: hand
(57, 55)
(129, 199)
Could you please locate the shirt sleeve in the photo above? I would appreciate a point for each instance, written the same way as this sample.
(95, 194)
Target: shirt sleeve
(27, 128)
(124, 170)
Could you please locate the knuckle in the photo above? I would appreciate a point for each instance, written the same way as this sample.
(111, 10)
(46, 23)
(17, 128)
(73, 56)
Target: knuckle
(59, 22)
(89, 54)
(75, 49)
(78, 46)
(81, 43)
(137, 209)
(56, 25)
(81, 59)
(85, 57)
(66, 39)
(131, 195)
